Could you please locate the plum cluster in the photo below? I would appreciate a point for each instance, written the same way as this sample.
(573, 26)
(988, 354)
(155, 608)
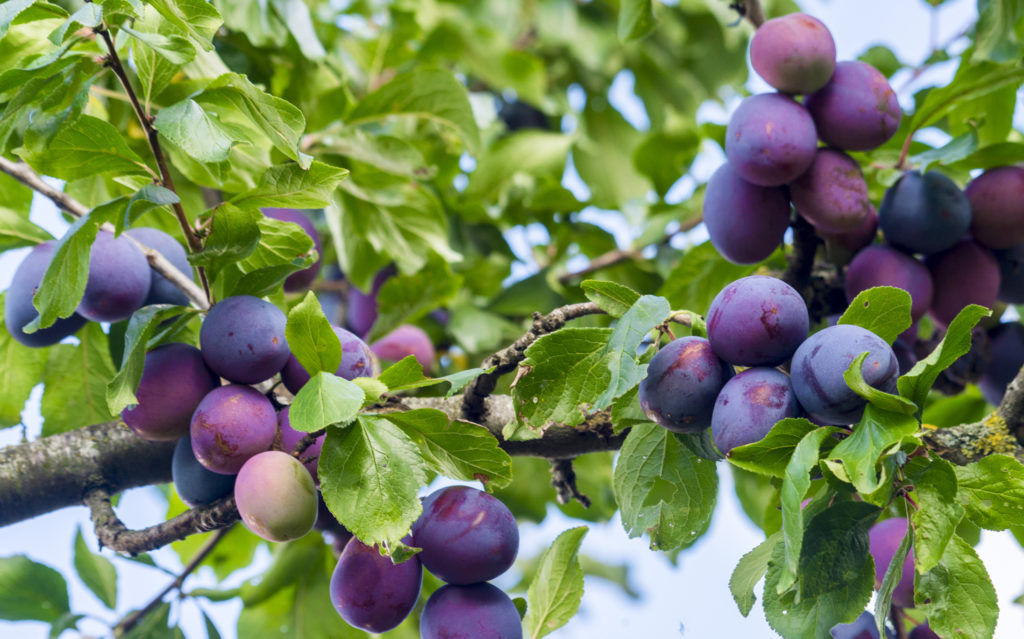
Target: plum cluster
(467, 537)
(771, 143)
(407, 339)
(761, 323)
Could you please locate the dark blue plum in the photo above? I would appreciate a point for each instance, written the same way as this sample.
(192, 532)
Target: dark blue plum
(18, 308)
(818, 367)
(174, 380)
(905, 355)
(683, 380)
(357, 360)
(194, 483)
(477, 611)
(300, 280)
(242, 339)
(745, 222)
(1011, 274)
(770, 139)
(749, 405)
(372, 593)
(466, 535)
(997, 207)
(880, 265)
(966, 274)
(118, 282)
(924, 213)
(757, 321)
(1007, 349)
(863, 627)
(161, 291)
(923, 631)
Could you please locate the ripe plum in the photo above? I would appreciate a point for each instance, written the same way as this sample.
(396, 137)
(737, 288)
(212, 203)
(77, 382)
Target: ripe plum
(357, 360)
(118, 282)
(174, 380)
(161, 291)
(881, 265)
(857, 110)
(242, 339)
(746, 222)
(18, 308)
(757, 321)
(749, 405)
(924, 213)
(885, 538)
(477, 611)
(230, 425)
(770, 139)
(683, 380)
(832, 194)
(404, 341)
(1007, 357)
(965, 274)
(997, 207)
(372, 593)
(194, 483)
(794, 53)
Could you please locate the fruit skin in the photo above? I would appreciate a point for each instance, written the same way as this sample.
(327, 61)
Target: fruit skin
(1007, 349)
(881, 265)
(818, 367)
(1011, 274)
(290, 437)
(854, 240)
(905, 355)
(965, 274)
(300, 280)
(356, 361)
(362, 307)
(749, 405)
(832, 194)
(923, 631)
(242, 339)
(230, 425)
(466, 535)
(757, 321)
(924, 213)
(174, 380)
(770, 139)
(746, 222)
(276, 497)
(857, 110)
(161, 291)
(372, 593)
(404, 341)
(477, 611)
(885, 538)
(997, 207)
(683, 379)
(18, 308)
(794, 53)
(863, 627)
(118, 282)
(194, 483)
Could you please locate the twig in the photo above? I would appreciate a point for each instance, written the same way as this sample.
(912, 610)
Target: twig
(563, 478)
(506, 360)
(134, 618)
(24, 174)
(801, 260)
(113, 534)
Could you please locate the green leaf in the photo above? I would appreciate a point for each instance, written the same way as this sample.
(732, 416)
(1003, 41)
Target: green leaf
(699, 276)
(456, 449)
(11, 10)
(290, 561)
(995, 26)
(953, 151)
(75, 383)
(88, 146)
(918, 381)
(176, 49)
(194, 131)
(143, 323)
(883, 310)
(284, 248)
(877, 430)
(235, 234)
(750, 570)
(431, 94)
(893, 575)
(153, 625)
(310, 337)
(937, 514)
(620, 352)
(527, 152)
(663, 489)
(636, 19)
(407, 374)
(567, 369)
(31, 591)
(557, 588)
(295, 14)
(370, 473)
(614, 299)
(835, 547)
(17, 231)
(88, 15)
(992, 491)
(957, 595)
(972, 81)
(406, 298)
(67, 621)
(96, 571)
(325, 400)
(23, 368)
(292, 186)
(854, 378)
(604, 159)
(771, 455)
(198, 18)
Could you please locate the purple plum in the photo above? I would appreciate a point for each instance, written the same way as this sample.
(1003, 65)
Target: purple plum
(174, 380)
(230, 425)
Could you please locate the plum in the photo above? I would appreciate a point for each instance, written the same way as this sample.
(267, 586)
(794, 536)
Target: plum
(290, 437)
(194, 483)
(230, 425)
(174, 380)
(794, 53)
(242, 339)
(832, 194)
(746, 222)
(477, 611)
(965, 274)
(923, 631)
(18, 308)
(161, 291)
(275, 496)
(855, 239)
(885, 538)
(357, 360)
(683, 379)
(404, 341)
(300, 280)
(881, 265)
(770, 139)
(818, 367)
(372, 593)
(924, 213)
(1011, 274)
(863, 627)
(749, 405)
(997, 207)
(905, 355)
(1007, 349)
(757, 321)
(466, 535)
(362, 307)
(856, 110)
(118, 281)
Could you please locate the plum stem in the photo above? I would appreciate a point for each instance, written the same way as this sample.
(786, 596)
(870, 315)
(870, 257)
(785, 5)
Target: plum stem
(563, 478)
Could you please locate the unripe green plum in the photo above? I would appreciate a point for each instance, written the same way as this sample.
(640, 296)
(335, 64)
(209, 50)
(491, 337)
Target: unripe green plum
(276, 496)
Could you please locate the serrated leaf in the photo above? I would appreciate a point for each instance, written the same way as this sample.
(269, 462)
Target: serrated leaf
(310, 337)
(9, 11)
(892, 578)
(700, 275)
(291, 186)
(883, 310)
(75, 383)
(620, 352)
(143, 324)
(636, 19)
(854, 378)
(96, 571)
(407, 374)
(283, 249)
(370, 473)
(526, 152)
(663, 489)
(877, 430)
(23, 368)
(88, 146)
(295, 14)
(88, 15)
(557, 587)
(17, 231)
(325, 400)
(770, 455)
(957, 595)
(835, 547)
(30, 590)
(614, 299)
(198, 18)
(938, 512)
(406, 298)
(992, 491)
(235, 234)
(972, 81)
(750, 570)
(953, 151)
(456, 449)
(175, 49)
(188, 125)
